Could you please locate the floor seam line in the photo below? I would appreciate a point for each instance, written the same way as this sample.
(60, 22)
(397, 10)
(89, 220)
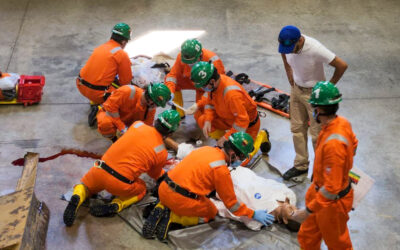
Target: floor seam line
(19, 32)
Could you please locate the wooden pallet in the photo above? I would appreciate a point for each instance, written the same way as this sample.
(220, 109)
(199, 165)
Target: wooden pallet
(23, 218)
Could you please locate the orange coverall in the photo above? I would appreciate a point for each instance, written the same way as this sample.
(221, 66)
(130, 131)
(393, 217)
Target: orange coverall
(121, 109)
(2, 76)
(179, 76)
(229, 107)
(106, 61)
(140, 150)
(201, 172)
(336, 146)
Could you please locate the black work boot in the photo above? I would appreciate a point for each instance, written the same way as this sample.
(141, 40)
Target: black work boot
(149, 226)
(94, 109)
(293, 172)
(70, 210)
(163, 225)
(104, 210)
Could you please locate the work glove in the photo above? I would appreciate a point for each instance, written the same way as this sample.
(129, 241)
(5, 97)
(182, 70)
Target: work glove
(170, 102)
(191, 110)
(263, 217)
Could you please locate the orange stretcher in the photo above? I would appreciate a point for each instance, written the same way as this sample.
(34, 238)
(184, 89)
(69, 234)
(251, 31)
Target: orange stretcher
(267, 105)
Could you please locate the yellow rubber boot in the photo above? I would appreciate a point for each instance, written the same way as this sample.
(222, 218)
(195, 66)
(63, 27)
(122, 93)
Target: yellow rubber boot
(82, 192)
(262, 137)
(184, 220)
(124, 202)
(79, 195)
(216, 134)
(178, 99)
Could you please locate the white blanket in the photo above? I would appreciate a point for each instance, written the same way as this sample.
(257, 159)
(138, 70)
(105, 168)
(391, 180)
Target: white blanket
(144, 74)
(257, 193)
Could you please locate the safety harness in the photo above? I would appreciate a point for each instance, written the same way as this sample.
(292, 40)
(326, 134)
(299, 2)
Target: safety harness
(108, 169)
(180, 190)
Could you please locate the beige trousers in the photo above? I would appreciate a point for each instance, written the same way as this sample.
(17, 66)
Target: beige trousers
(300, 114)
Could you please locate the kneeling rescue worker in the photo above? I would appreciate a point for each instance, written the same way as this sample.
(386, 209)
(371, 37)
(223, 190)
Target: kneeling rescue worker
(106, 62)
(129, 104)
(228, 108)
(140, 150)
(179, 77)
(183, 192)
(329, 198)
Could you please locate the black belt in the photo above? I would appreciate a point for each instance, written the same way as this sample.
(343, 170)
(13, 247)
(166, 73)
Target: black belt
(91, 86)
(342, 193)
(179, 189)
(108, 169)
(253, 122)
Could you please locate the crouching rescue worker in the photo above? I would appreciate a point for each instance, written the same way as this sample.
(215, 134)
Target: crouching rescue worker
(329, 199)
(107, 61)
(183, 192)
(129, 104)
(228, 107)
(140, 150)
(179, 76)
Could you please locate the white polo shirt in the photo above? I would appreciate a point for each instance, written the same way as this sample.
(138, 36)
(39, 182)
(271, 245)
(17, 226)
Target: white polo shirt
(308, 66)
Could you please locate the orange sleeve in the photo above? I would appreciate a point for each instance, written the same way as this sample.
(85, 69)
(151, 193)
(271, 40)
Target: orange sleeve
(124, 67)
(157, 171)
(172, 78)
(334, 164)
(209, 109)
(150, 117)
(203, 101)
(234, 100)
(224, 188)
(113, 104)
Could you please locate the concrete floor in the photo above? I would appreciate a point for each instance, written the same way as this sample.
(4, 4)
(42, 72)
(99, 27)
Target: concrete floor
(56, 37)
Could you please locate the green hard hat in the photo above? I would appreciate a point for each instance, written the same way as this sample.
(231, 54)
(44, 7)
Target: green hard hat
(159, 93)
(243, 142)
(170, 119)
(190, 51)
(325, 93)
(123, 30)
(201, 73)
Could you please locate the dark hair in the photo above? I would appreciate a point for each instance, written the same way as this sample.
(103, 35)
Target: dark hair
(118, 38)
(163, 130)
(215, 74)
(228, 146)
(329, 109)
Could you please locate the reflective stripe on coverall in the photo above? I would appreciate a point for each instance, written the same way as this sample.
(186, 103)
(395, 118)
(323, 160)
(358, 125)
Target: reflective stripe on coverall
(106, 61)
(229, 107)
(179, 76)
(201, 172)
(140, 150)
(336, 146)
(121, 109)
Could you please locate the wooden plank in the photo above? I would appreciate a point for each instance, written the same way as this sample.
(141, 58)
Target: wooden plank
(28, 177)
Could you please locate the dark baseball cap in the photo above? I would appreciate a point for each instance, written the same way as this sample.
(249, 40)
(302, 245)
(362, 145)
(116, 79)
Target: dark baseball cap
(288, 38)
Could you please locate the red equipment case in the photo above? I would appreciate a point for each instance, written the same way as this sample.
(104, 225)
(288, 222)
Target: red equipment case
(30, 89)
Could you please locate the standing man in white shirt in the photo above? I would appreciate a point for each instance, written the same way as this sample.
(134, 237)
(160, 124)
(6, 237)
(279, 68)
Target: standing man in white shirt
(304, 59)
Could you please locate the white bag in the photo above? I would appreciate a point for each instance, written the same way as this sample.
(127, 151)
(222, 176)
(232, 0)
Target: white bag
(9, 82)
